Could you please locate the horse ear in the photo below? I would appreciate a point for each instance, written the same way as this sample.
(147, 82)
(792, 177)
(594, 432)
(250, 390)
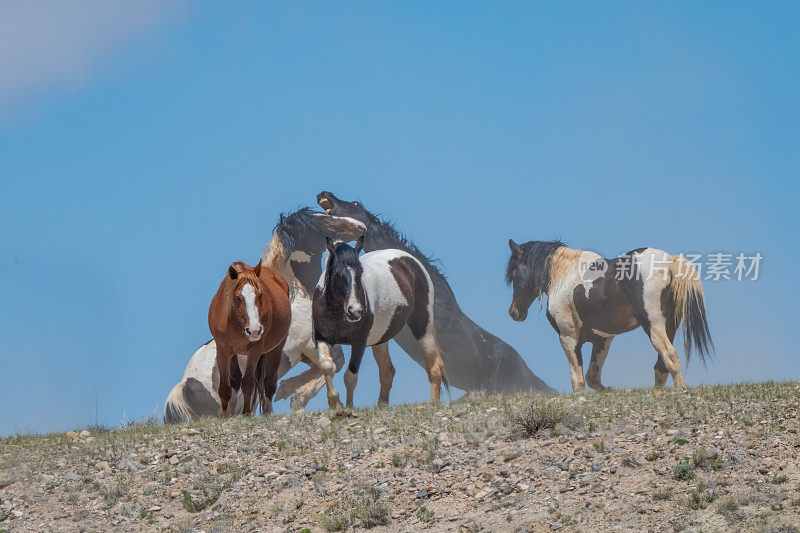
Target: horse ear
(232, 272)
(359, 244)
(257, 269)
(515, 250)
(329, 244)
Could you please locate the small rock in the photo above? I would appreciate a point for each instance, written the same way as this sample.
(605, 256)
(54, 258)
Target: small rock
(511, 456)
(48, 478)
(72, 476)
(72, 435)
(323, 422)
(174, 460)
(102, 465)
(85, 433)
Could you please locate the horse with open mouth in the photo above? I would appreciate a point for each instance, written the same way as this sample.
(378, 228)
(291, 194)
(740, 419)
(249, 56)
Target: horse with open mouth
(366, 301)
(591, 299)
(476, 359)
(250, 315)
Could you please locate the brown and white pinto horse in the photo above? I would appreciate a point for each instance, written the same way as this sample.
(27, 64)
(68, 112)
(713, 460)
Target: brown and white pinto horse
(250, 315)
(591, 299)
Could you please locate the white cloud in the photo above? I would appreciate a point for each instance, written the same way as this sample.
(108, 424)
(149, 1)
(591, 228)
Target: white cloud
(57, 44)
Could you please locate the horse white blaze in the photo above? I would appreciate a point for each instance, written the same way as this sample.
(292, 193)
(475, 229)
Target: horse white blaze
(254, 323)
(352, 301)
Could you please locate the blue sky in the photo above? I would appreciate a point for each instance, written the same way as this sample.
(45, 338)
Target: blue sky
(143, 148)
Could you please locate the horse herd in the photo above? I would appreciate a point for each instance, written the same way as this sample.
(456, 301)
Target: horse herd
(265, 319)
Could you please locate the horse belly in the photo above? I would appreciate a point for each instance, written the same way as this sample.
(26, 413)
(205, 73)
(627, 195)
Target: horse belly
(379, 335)
(603, 308)
(387, 303)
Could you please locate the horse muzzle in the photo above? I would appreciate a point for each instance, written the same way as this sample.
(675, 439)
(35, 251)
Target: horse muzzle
(353, 314)
(515, 315)
(254, 335)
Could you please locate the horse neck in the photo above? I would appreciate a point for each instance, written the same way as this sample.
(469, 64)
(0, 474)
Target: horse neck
(276, 256)
(563, 261)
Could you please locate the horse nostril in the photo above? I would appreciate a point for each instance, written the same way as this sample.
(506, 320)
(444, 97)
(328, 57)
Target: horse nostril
(247, 330)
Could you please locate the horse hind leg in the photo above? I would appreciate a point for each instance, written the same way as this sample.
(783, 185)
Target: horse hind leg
(434, 365)
(385, 370)
(667, 355)
(660, 369)
(661, 372)
(599, 353)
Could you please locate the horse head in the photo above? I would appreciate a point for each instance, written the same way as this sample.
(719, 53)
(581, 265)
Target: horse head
(247, 296)
(518, 274)
(343, 278)
(341, 208)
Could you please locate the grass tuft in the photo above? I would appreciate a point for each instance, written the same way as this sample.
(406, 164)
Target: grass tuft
(543, 414)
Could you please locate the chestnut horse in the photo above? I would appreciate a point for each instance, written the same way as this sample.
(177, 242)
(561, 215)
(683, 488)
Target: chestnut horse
(250, 315)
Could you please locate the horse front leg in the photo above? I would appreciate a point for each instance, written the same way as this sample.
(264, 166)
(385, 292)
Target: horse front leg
(328, 368)
(249, 380)
(351, 375)
(572, 349)
(269, 379)
(224, 387)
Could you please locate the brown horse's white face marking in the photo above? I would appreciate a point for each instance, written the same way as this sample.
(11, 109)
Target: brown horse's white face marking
(246, 299)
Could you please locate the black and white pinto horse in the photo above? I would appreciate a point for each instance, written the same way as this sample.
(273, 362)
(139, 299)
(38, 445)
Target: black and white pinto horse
(366, 301)
(591, 299)
(296, 248)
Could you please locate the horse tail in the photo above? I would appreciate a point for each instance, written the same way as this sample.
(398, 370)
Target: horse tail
(690, 307)
(176, 408)
(444, 373)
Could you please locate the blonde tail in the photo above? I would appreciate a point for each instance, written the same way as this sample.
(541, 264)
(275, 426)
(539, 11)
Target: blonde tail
(690, 307)
(176, 410)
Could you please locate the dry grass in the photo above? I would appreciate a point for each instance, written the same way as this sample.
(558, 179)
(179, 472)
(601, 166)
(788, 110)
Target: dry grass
(363, 508)
(543, 414)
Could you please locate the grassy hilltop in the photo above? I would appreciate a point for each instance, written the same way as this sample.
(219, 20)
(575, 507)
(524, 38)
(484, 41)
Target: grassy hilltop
(704, 459)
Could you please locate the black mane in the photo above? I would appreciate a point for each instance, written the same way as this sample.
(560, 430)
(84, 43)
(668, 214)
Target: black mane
(386, 235)
(538, 256)
(300, 222)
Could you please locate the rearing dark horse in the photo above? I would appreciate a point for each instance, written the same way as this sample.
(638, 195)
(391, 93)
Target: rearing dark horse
(366, 302)
(475, 359)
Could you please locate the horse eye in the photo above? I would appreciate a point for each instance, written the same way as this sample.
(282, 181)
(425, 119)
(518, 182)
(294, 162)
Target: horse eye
(356, 204)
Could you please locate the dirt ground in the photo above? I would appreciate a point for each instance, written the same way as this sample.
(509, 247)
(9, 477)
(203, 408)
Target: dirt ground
(719, 458)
